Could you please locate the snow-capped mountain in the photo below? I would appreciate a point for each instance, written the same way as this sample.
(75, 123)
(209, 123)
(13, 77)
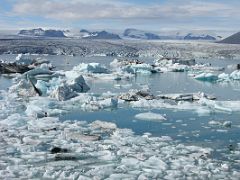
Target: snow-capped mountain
(139, 34)
(233, 39)
(98, 35)
(192, 36)
(42, 33)
(170, 35)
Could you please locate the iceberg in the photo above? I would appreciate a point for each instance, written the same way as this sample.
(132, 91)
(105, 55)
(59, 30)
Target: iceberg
(202, 107)
(206, 77)
(78, 84)
(90, 68)
(187, 97)
(224, 77)
(172, 65)
(44, 82)
(132, 66)
(135, 95)
(235, 75)
(109, 103)
(63, 92)
(138, 68)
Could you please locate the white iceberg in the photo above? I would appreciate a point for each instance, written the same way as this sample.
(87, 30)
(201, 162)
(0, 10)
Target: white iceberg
(224, 77)
(90, 68)
(206, 77)
(235, 75)
(53, 84)
(109, 103)
(138, 68)
(132, 66)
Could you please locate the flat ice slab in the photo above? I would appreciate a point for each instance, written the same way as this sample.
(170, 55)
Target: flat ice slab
(150, 116)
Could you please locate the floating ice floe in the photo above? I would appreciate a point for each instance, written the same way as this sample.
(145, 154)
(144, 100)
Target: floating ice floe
(187, 97)
(90, 68)
(48, 83)
(181, 65)
(135, 95)
(21, 65)
(150, 116)
(227, 124)
(110, 103)
(206, 68)
(171, 65)
(206, 77)
(44, 106)
(95, 71)
(202, 107)
(48, 148)
(235, 75)
(132, 66)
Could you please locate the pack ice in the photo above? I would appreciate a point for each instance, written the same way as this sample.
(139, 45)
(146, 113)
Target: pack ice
(50, 149)
(35, 146)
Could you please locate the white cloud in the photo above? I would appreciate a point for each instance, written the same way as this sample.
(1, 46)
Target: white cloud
(106, 9)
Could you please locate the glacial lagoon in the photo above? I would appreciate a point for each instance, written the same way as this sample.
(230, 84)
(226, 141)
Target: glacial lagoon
(184, 126)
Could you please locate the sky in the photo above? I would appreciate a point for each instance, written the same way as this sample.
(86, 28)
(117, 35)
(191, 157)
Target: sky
(120, 14)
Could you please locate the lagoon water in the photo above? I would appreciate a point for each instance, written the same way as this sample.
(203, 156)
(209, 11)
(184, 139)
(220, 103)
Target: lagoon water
(185, 126)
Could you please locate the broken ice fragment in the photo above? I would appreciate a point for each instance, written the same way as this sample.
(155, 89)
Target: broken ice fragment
(150, 116)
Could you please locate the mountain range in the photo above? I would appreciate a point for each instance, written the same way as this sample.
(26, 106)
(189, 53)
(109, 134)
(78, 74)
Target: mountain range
(98, 35)
(129, 33)
(42, 33)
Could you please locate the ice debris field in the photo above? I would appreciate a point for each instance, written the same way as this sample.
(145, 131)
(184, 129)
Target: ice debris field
(119, 118)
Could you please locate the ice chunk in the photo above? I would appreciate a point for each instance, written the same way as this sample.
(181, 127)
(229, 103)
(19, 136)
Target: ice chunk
(78, 84)
(14, 120)
(135, 95)
(81, 137)
(139, 68)
(42, 86)
(235, 75)
(110, 102)
(214, 123)
(43, 69)
(18, 57)
(178, 68)
(227, 124)
(23, 88)
(224, 76)
(203, 112)
(103, 125)
(150, 116)
(59, 86)
(116, 63)
(90, 68)
(24, 60)
(101, 104)
(132, 66)
(206, 77)
(35, 111)
(63, 92)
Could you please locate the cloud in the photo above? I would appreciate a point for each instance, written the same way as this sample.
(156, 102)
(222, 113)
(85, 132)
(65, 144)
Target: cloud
(119, 14)
(73, 10)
